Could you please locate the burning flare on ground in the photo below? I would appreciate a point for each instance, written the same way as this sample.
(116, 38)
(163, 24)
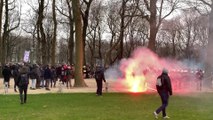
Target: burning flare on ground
(139, 72)
(135, 81)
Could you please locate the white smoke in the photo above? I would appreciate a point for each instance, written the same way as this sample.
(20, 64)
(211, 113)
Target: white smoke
(113, 72)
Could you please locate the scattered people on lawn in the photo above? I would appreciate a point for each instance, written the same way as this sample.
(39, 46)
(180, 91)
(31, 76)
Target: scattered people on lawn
(47, 76)
(164, 89)
(64, 74)
(33, 77)
(53, 77)
(199, 78)
(15, 74)
(6, 74)
(99, 77)
(42, 82)
(38, 76)
(22, 82)
(69, 77)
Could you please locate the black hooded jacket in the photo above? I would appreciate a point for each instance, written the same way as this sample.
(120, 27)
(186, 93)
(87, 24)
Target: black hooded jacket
(166, 84)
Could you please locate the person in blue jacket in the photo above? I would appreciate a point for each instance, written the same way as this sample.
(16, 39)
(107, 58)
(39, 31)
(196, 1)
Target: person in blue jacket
(99, 77)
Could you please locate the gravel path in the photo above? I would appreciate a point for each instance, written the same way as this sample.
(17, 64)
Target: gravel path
(90, 89)
(90, 83)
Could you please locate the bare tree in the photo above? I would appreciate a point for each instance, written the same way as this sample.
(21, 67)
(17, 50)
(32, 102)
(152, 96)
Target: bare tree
(155, 12)
(85, 16)
(118, 27)
(95, 20)
(209, 59)
(113, 25)
(40, 31)
(79, 81)
(127, 12)
(66, 10)
(10, 24)
(30, 20)
(203, 7)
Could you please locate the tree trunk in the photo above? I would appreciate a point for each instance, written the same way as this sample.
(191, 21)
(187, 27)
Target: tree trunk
(1, 42)
(41, 30)
(99, 46)
(79, 81)
(173, 45)
(121, 36)
(71, 42)
(85, 25)
(54, 35)
(5, 33)
(153, 25)
(71, 38)
(38, 46)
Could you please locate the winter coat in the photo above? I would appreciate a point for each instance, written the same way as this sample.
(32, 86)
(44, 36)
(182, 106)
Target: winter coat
(99, 75)
(47, 74)
(6, 74)
(166, 84)
(34, 74)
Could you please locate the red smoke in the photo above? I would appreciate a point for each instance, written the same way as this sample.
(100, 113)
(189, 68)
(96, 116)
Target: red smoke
(139, 73)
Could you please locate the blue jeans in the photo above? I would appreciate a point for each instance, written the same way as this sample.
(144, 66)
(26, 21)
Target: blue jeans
(165, 100)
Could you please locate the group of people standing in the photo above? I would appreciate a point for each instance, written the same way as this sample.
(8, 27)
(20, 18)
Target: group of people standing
(40, 76)
(44, 76)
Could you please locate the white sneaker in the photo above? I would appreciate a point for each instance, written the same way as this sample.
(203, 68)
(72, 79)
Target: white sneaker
(166, 117)
(156, 115)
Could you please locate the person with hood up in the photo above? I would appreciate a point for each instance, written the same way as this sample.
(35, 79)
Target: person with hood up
(164, 89)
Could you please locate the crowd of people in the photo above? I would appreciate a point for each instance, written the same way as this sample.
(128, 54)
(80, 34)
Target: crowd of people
(45, 76)
(42, 76)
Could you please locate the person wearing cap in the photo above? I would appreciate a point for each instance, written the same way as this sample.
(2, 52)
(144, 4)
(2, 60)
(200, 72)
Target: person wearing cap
(99, 77)
(164, 89)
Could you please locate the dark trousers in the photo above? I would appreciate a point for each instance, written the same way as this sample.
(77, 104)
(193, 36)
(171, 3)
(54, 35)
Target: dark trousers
(15, 82)
(99, 87)
(38, 82)
(22, 89)
(47, 82)
(165, 100)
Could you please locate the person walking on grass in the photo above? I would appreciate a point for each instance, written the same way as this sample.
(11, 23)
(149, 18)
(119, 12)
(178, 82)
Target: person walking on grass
(22, 82)
(164, 89)
(99, 77)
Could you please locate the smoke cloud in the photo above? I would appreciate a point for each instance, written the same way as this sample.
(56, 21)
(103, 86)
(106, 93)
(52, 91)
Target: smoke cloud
(139, 72)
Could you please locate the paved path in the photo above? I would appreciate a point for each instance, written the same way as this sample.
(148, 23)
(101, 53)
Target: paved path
(90, 89)
(90, 83)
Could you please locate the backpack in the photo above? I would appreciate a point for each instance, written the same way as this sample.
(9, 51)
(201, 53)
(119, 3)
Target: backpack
(23, 80)
(159, 82)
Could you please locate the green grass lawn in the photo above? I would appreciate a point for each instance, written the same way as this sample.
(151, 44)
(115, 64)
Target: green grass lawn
(112, 106)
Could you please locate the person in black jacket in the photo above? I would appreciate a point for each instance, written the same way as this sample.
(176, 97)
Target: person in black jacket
(99, 77)
(15, 74)
(164, 89)
(22, 82)
(47, 76)
(6, 74)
